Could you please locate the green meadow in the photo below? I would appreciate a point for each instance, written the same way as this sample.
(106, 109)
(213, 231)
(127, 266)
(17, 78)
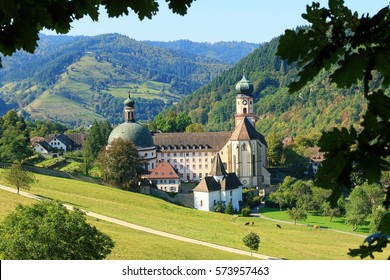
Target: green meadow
(133, 244)
(290, 242)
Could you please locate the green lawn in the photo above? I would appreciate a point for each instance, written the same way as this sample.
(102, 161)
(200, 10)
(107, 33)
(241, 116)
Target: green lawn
(133, 244)
(290, 242)
(313, 219)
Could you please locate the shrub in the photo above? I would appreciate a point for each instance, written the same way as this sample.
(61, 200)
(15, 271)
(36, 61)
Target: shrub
(246, 212)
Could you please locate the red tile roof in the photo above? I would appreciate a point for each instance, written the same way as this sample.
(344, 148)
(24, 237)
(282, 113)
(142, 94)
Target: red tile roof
(163, 170)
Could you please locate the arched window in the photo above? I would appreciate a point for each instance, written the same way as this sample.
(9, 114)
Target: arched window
(253, 165)
(245, 110)
(243, 147)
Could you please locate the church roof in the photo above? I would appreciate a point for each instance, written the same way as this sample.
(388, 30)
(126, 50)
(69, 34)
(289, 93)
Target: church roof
(163, 170)
(133, 132)
(217, 168)
(246, 131)
(214, 140)
(208, 184)
(230, 182)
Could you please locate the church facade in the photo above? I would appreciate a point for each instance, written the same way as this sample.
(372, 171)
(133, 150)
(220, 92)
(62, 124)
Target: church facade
(242, 151)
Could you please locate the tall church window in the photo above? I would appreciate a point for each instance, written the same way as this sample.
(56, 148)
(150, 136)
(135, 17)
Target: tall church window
(243, 147)
(253, 165)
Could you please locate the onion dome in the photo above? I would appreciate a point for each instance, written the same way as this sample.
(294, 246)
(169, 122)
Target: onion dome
(129, 102)
(244, 86)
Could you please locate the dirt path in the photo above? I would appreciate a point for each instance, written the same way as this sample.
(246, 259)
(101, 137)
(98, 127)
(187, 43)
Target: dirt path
(149, 230)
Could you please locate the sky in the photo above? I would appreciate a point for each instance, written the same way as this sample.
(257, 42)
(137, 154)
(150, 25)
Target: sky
(255, 21)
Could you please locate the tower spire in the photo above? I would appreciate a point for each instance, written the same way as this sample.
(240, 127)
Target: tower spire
(129, 109)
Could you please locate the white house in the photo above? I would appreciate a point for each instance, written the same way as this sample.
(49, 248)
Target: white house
(219, 187)
(63, 143)
(43, 148)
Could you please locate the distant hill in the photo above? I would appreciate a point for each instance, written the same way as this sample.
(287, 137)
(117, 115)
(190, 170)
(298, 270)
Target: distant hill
(75, 79)
(230, 52)
(319, 105)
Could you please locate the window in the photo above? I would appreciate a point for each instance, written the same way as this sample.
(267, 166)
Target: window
(174, 154)
(193, 160)
(201, 203)
(245, 111)
(200, 160)
(206, 166)
(181, 160)
(193, 166)
(188, 160)
(200, 166)
(193, 153)
(206, 160)
(243, 147)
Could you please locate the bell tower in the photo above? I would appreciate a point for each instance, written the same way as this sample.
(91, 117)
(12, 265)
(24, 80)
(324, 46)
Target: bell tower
(244, 102)
(129, 110)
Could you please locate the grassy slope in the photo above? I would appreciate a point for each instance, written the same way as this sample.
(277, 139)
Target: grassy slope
(292, 242)
(132, 244)
(76, 83)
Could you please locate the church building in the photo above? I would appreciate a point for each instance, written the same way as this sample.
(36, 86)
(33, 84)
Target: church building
(242, 151)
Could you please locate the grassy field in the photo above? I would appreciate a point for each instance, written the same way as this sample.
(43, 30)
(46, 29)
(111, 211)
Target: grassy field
(133, 244)
(312, 219)
(290, 242)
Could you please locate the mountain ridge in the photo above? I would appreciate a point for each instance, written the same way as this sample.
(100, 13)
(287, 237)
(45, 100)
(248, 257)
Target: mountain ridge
(107, 67)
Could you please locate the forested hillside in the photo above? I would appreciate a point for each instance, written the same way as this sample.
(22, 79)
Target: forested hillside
(319, 105)
(77, 79)
(230, 52)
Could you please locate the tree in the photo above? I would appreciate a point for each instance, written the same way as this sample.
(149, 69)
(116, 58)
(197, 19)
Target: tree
(17, 177)
(330, 211)
(297, 213)
(121, 164)
(22, 20)
(275, 149)
(48, 231)
(252, 241)
(362, 200)
(229, 208)
(353, 49)
(283, 195)
(182, 121)
(14, 138)
(96, 141)
(195, 127)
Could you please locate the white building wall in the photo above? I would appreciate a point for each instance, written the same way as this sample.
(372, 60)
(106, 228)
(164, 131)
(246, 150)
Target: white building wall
(205, 200)
(164, 185)
(190, 164)
(150, 155)
(39, 149)
(56, 144)
(235, 195)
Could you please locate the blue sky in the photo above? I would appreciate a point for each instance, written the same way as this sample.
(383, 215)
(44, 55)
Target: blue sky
(215, 20)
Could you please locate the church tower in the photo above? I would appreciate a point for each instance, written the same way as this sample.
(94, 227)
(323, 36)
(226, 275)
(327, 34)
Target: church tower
(129, 110)
(244, 102)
